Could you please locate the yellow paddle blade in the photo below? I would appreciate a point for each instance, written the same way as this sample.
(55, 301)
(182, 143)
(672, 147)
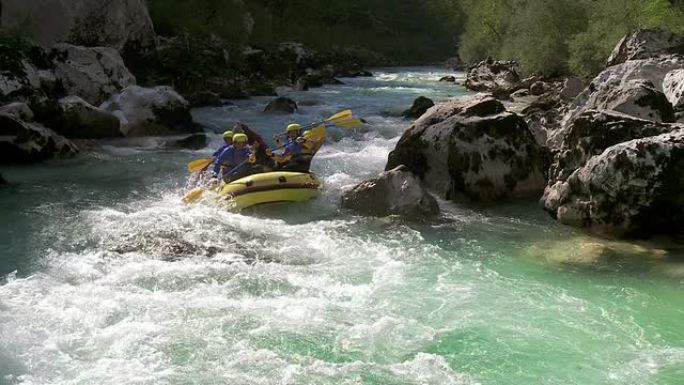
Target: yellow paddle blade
(318, 133)
(340, 116)
(355, 122)
(199, 164)
(194, 195)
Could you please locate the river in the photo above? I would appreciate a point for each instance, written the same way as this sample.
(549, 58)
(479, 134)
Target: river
(107, 278)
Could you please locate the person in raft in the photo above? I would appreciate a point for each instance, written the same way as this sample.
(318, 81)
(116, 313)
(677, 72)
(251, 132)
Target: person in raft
(232, 163)
(291, 157)
(228, 140)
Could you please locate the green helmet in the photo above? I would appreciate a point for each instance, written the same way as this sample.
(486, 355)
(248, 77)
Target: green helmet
(293, 127)
(240, 138)
(228, 134)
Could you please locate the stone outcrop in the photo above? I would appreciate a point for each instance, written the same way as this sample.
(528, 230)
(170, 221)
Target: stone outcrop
(634, 188)
(82, 120)
(151, 111)
(497, 77)
(94, 74)
(393, 192)
(17, 110)
(472, 148)
(281, 105)
(22, 142)
(673, 86)
(121, 24)
(647, 44)
(419, 107)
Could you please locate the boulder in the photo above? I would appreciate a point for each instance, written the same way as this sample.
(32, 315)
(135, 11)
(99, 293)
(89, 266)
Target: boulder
(393, 192)
(636, 97)
(543, 118)
(120, 24)
(537, 88)
(17, 110)
(94, 74)
(281, 105)
(151, 111)
(22, 142)
(204, 98)
(472, 148)
(673, 86)
(647, 44)
(572, 87)
(419, 107)
(448, 79)
(592, 132)
(653, 70)
(81, 120)
(18, 78)
(499, 77)
(633, 189)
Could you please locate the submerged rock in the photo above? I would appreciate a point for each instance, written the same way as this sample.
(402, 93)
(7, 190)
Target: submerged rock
(448, 79)
(632, 189)
(94, 73)
(22, 142)
(151, 111)
(472, 147)
(646, 44)
(419, 107)
(281, 105)
(393, 192)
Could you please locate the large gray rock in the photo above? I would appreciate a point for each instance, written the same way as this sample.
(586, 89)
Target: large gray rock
(393, 192)
(572, 87)
(472, 147)
(94, 74)
(84, 121)
(121, 24)
(21, 142)
(18, 81)
(636, 97)
(592, 132)
(151, 111)
(646, 44)
(499, 77)
(673, 86)
(632, 189)
(281, 105)
(419, 107)
(17, 110)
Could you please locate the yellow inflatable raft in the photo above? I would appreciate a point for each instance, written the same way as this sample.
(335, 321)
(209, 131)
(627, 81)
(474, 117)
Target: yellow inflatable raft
(270, 187)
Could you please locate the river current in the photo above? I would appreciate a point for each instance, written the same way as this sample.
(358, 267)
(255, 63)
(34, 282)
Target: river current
(107, 278)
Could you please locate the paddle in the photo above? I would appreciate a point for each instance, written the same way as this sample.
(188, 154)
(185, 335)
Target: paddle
(197, 193)
(199, 164)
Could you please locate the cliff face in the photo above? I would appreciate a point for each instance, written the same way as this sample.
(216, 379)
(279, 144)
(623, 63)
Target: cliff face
(120, 24)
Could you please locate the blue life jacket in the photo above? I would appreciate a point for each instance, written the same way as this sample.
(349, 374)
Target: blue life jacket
(230, 158)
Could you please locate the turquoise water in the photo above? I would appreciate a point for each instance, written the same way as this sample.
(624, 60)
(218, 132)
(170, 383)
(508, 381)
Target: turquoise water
(109, 279)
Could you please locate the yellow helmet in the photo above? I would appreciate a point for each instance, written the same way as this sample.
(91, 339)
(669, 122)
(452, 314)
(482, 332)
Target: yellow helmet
(293, 127)
(228, 134)
(308, 134)
(240, 138)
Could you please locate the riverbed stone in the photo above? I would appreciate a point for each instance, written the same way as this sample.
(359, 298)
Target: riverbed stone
(393, 192)
(673, 86)
(82, 120)
(498, 77)
(472, 148)
(22, 142)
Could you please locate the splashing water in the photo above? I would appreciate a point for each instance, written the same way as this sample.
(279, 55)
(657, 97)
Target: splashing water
(109, 279)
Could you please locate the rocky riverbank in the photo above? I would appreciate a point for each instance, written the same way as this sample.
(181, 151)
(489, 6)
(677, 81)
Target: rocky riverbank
(606, 157)
(97, 69)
